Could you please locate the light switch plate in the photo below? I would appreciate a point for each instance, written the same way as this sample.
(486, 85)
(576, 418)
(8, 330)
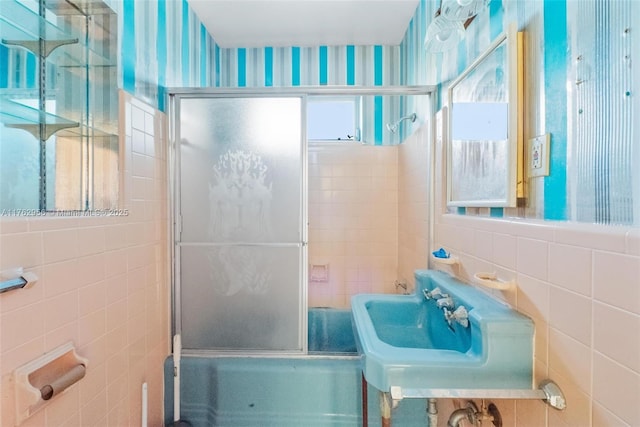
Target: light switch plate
(538, 156)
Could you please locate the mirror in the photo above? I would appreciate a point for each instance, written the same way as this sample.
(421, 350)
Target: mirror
(484, 129)
(59, 144)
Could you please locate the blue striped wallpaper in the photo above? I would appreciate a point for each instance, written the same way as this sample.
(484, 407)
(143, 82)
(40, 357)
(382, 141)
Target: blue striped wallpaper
(557, 33)
(163, 44)
(161, 52)
(555, 88)
(128, 43)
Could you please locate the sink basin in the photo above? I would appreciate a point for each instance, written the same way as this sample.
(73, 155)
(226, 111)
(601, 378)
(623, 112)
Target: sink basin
(405, 340)
(410, 323)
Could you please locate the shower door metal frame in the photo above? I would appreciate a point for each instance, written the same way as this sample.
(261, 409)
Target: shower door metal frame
(175, 216)
(177, 93)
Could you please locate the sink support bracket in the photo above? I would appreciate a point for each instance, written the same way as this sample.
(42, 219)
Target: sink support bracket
(548, 391)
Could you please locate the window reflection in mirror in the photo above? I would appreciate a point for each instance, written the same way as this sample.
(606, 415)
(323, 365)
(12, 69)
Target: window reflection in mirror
(484, 130)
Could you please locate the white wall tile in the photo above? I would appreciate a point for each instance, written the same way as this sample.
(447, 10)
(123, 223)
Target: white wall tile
(351, 221)
(604, 417)
(137, 118)
(91, 298)
(10, 225)
(601, 237)
(60, 245)
(533, 258)
(633, 242)
(571, 358)
(91, 240)
(91, 326)
(578, 410)
(481, 244)
(533, 229)
(530, 413)
(67, 404)
(570, 268)
(616, 280)
(20, 326)
(504, 250)
(570, 313)
(62, 335)
(47, 223)
(20, 250)
(533, 296)
(82, 293)
(137, 141)
(613, 335)
(60, 310)
(616, 388)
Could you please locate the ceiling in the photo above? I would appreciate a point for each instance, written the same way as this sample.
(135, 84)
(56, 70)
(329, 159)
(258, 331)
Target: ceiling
(259, 23)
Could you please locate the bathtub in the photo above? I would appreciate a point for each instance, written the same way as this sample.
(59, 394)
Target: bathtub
(278, 391)
(321, 389)
(330, 331)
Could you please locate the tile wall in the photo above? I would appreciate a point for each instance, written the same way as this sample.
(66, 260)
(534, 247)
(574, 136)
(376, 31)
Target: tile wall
(353, 220)
(103, 284)
(581, 285)
(413, 205)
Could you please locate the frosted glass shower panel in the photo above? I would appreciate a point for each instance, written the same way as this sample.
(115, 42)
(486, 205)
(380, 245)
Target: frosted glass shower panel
(241, 163)
(240, 297)
(240, 250)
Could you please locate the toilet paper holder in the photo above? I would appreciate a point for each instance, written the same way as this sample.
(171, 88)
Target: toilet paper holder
(40, 380)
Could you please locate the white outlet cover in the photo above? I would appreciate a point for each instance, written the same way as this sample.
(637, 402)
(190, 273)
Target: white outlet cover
(538, 156)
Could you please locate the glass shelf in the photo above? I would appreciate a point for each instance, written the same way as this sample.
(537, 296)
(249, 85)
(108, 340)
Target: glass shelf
(27, 36)
(68, 90)
(20, 116)
(25, 27)
(88, 7)
(78, 55)
(76, 132)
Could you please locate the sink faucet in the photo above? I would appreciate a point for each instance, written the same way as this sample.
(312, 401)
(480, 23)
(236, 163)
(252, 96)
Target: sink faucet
(460, 315)
(434, 294)
(445, 302)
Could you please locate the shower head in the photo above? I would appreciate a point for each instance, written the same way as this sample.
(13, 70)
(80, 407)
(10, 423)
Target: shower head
(393, 127)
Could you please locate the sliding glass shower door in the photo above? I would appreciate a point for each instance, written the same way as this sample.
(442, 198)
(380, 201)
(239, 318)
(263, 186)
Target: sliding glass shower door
(240, 225)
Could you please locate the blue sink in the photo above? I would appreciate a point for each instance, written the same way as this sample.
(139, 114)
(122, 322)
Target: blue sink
(405, 340)
(410, 323)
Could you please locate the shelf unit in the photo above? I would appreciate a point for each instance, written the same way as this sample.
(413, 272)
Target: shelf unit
(60, 60)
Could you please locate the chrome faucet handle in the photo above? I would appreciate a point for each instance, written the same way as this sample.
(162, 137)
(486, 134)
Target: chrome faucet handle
(445, 302)
(460, 315)
(433, 294)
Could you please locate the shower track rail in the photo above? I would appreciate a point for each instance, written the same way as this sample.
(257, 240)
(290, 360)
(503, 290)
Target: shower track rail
(307, 90)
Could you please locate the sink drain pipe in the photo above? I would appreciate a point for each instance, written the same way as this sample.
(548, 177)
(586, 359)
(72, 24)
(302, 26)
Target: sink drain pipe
(486, 415)
(432, 412)
(468, 413)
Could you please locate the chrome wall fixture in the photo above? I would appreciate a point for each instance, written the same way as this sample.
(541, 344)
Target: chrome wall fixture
(16, 278)
(393, 127)
(461, 10)
(448, 26)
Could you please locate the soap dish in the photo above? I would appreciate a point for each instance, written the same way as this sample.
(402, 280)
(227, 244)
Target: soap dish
(451, 260)
(490, 280)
